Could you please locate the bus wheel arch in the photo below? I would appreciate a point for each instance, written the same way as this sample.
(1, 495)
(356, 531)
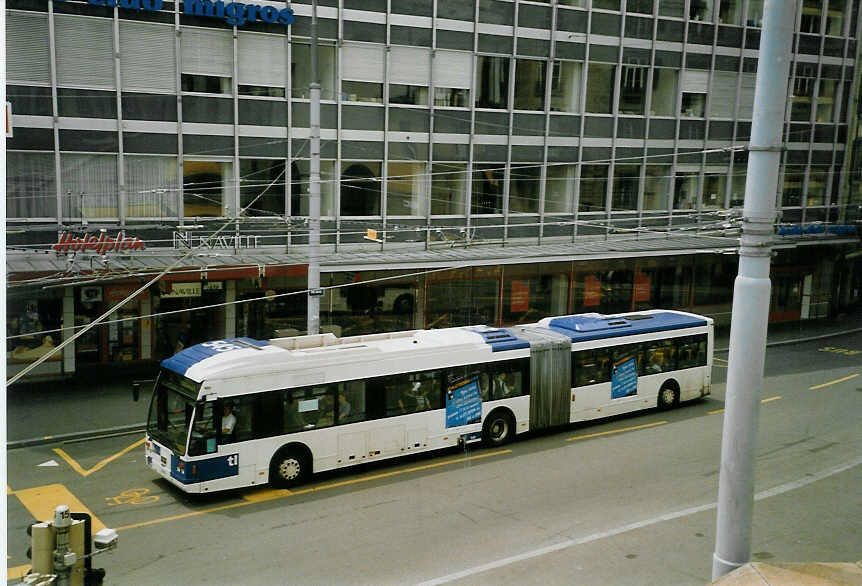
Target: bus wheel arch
(291, 465)
(499, 427)
(668, 394)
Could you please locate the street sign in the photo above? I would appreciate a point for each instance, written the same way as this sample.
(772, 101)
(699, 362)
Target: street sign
(315, 292)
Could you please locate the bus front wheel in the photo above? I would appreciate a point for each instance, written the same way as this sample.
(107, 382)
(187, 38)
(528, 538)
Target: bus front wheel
(499, 428)
(289, 467)
(668, 395)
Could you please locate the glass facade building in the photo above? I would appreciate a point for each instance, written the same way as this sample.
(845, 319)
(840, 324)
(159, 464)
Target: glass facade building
(520, 119)
(443, 123)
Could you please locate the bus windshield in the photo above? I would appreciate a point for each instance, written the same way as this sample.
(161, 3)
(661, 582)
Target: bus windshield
(171, 410)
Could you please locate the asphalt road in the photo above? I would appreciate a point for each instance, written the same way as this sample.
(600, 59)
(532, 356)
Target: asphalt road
(625, 501)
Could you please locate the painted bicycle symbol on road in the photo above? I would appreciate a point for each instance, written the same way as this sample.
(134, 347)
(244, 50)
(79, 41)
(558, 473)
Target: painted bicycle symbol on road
(132, 496)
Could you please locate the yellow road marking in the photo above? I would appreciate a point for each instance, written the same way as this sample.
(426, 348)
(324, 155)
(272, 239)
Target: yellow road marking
(580, 437)
(80, 470)
(42, 500)
(17, 572)
(833, 382)
(268, 494)
(766, 400)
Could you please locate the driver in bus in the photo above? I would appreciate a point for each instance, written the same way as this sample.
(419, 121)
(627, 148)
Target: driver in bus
(228, 421)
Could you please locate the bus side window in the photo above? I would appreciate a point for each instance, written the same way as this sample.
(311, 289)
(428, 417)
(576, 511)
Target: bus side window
(351, 401)
(293, 420)
(243, 410)
(268, 417)
(688, 352)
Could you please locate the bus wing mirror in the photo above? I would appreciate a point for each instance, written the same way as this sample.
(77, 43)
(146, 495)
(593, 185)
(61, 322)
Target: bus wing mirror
(136, 388)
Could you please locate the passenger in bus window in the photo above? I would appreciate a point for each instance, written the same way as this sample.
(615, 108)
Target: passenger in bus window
(502, 388)
(484, 386)
(420, 395)
(293, 421)
(325, 412)
(655, 362)
(343, 408)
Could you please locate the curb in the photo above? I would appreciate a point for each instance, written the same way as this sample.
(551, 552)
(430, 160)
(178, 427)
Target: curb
(77, 436)
(798, 340)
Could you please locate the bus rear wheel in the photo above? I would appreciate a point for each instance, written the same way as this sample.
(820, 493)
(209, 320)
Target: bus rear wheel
(289, 467)
(499, 428)
(668, 396)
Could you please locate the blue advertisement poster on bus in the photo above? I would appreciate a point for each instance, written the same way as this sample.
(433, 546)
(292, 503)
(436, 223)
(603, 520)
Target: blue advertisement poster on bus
(624, 378)
(463, 403)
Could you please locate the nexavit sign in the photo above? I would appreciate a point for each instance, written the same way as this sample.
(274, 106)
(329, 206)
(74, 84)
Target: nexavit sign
(233, 13)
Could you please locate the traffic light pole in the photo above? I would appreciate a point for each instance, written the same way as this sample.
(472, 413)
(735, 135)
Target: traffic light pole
(751, 295)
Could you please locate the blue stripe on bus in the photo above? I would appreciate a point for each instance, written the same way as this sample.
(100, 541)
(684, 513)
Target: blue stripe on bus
(585, 328)
(185, 359)
(500, 340)
(203, 470)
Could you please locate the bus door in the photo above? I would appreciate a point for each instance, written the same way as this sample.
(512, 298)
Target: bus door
(550, 376)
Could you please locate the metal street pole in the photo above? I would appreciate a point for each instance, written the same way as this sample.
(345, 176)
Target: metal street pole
(314, 188)
(751, 295)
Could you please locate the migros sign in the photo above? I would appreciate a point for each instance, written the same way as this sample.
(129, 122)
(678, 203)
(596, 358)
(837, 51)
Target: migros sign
(233, 13)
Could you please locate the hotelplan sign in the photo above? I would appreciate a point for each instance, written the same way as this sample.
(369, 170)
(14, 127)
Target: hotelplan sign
(233, 13)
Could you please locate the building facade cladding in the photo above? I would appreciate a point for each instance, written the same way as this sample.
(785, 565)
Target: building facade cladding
(519, 119)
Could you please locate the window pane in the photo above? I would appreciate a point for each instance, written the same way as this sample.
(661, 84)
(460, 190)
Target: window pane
(90, 185)
(360, 188)
(151, 184)
(448, 188)
(633, 89)
(600, 88)
(566, 87)
(524, 189)
(530, 84)
(406, 186)
(207, 188)
(451, 97)
(300, 74)
(713, 191)
(261, 187)
(300, 176)
(559, 189)
(487, 195)
(794, 177)
(208, 84)
(625, 191)
(663, 102)
(492, 81)
(594, 182)
(408, 94)
(685, 191)
(656, 187)
(825, 100)
(816, 193)
(700, 10)
(362, 91)
(693, 104)
(730, 12)
(30, 185)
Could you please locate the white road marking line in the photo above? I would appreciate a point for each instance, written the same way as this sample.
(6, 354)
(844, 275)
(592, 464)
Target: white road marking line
(780, 489)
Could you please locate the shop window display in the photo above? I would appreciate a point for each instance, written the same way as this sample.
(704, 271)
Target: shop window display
(29, 317)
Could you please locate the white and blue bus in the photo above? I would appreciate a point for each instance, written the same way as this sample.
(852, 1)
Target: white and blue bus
(242, 412)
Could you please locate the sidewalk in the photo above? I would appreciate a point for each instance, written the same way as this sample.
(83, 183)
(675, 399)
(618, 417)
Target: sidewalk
(100, 403)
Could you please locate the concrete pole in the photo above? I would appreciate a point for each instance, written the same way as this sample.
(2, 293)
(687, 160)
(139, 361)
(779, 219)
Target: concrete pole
(751, 295)
(314, 188)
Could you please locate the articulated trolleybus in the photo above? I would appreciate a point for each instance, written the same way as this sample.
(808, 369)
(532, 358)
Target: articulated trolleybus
(241, 412)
